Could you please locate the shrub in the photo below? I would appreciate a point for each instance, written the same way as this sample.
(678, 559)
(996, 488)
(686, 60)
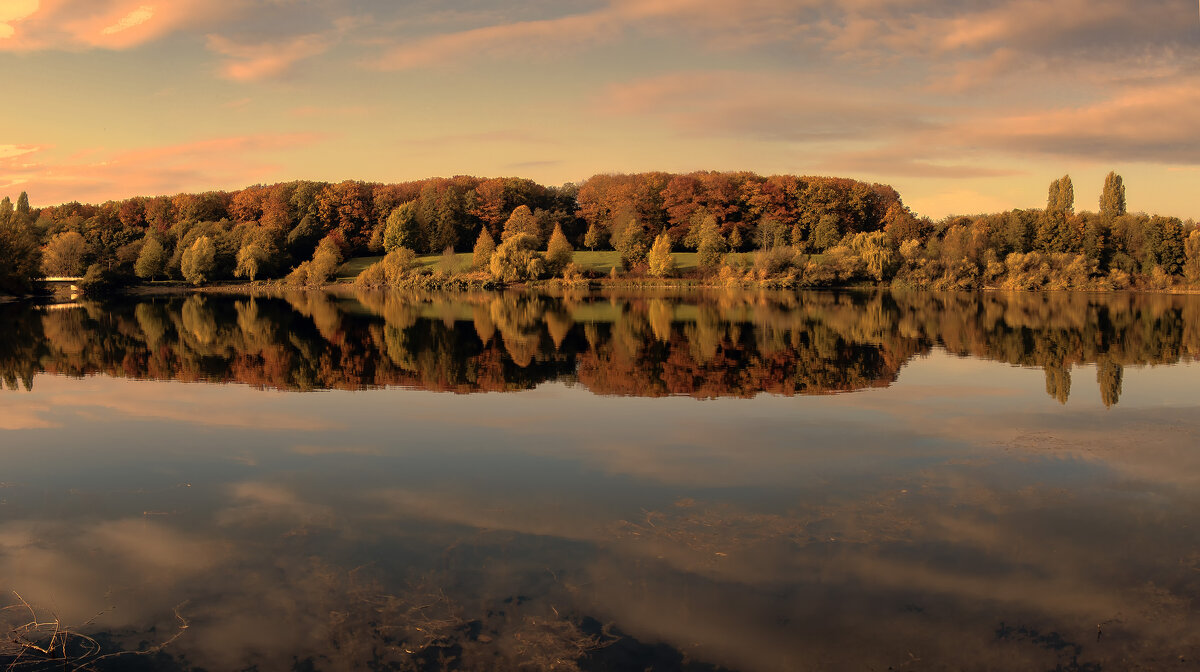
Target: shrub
(773, 260)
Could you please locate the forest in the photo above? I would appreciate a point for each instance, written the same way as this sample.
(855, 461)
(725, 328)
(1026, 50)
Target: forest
(743, 228)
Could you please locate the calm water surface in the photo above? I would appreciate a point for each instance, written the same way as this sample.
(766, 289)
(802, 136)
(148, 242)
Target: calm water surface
(621, 481)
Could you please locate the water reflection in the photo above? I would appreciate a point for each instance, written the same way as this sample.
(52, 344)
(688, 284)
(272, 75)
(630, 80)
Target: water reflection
(597, 517)
(638, 344)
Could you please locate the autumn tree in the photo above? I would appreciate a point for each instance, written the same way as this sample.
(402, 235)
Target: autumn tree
(559, 252)
(660, 259)
(521, 222)
(198, 261)
(481, 256)
(63, 255)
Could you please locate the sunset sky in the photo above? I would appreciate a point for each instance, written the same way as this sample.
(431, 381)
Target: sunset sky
(964, 106)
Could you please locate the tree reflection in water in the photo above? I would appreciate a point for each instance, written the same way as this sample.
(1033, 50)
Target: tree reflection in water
(623, 343)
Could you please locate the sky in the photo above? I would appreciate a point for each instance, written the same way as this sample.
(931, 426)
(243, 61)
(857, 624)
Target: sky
(964, 106)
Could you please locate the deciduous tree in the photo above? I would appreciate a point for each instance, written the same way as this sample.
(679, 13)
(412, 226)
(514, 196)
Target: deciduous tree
(198, 261)
(660, 259)
(481, 256)
(63, 255)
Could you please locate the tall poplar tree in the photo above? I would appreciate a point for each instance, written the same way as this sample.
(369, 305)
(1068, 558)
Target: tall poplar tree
(1112, 199)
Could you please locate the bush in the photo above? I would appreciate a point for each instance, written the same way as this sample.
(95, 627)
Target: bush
(99, 281)
(773, 261)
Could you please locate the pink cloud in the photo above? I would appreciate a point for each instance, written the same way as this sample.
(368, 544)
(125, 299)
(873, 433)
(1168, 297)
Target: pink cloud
(505, 40)
(229, 162)
(718, 22)
(105, 24)
(253, 62)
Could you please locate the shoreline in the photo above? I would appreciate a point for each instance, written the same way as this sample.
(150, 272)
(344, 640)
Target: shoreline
(268, 288)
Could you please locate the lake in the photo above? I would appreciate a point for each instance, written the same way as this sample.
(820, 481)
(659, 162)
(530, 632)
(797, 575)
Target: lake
(626, 480)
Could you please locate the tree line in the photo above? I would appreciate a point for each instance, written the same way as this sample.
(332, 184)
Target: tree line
(804, 231)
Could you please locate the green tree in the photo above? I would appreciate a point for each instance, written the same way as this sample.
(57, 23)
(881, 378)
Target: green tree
(660, 259)
(1112, 199)
(403, 229)
(559, 252)
(199, 261)
(481, 257)
(152, 260)
(63, 255)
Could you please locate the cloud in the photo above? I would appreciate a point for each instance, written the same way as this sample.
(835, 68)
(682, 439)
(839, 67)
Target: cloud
(107, 24)
(227, 162)
(1154, 123)
(253, 62)
(134, 18)
(504, 40)
(764, 106)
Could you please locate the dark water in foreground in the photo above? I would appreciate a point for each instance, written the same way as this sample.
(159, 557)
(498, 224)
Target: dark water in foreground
(603, 482)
